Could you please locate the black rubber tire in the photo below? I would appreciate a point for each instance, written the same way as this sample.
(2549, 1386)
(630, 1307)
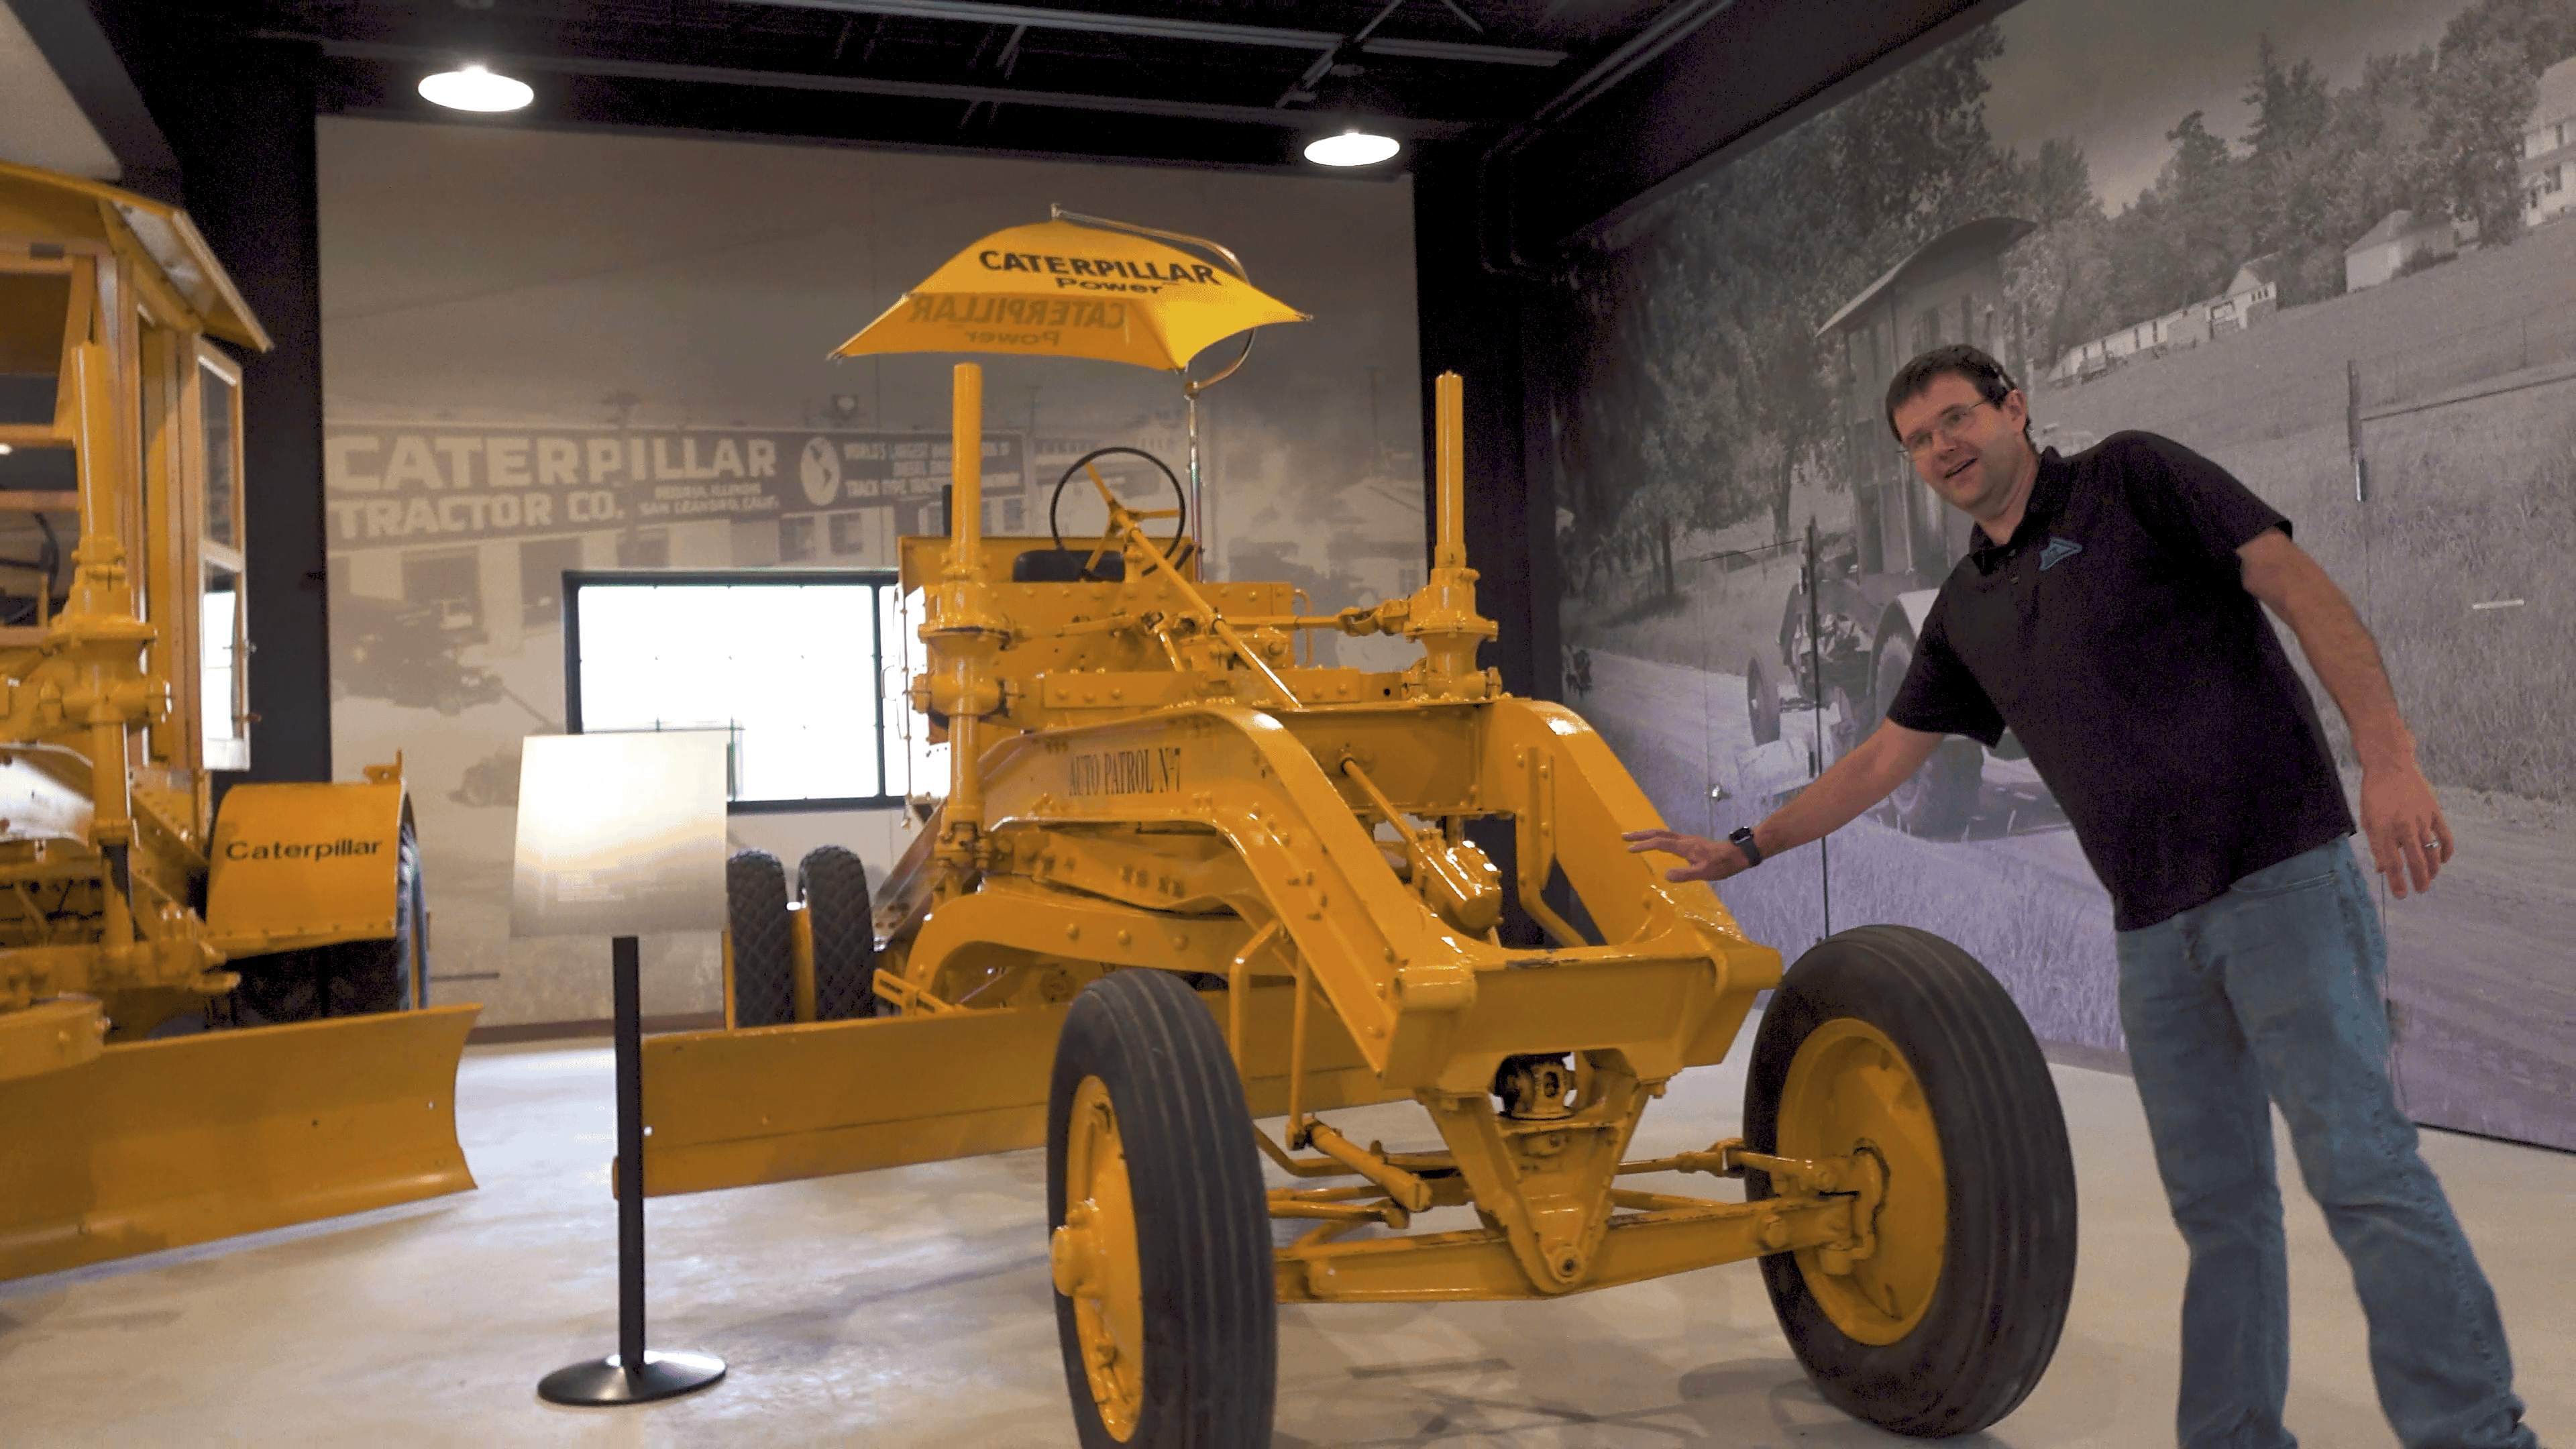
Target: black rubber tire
(1938, 799)
(2008, 1267)
(1761, 702)
(282, 986)
(833, 884)
(1202, 1222)
(348, 978)
(764, 970)
(372, 976)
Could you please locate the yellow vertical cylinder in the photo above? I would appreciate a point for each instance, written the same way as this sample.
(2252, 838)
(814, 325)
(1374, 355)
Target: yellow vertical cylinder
(961, 611)
(966, 466)
(1450, 471)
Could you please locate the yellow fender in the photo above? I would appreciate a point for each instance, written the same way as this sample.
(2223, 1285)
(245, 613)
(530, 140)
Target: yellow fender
(298, 865)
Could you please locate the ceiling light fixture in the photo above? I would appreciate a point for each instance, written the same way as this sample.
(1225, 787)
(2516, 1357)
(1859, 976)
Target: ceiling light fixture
(1351, 148)
(473, 88)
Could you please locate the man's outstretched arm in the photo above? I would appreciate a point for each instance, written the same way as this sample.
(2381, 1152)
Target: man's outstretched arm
(2409, 839)
(1851, 785)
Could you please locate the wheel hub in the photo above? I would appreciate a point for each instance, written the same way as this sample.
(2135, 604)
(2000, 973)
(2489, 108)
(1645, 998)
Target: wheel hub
(1093, 1259)
(1850, 1092)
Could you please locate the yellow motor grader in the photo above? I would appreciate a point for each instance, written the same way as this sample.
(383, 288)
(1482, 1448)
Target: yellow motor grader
(141, 935)
(1181, 883)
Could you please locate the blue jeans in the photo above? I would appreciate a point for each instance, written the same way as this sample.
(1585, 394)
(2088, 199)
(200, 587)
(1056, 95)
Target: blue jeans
(2274, 989)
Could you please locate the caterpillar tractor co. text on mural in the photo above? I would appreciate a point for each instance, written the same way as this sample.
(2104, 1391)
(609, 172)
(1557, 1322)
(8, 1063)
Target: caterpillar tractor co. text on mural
(167, 1071)
(1182, 882)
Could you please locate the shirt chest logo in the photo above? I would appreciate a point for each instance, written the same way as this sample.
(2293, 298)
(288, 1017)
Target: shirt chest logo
(2059, 550)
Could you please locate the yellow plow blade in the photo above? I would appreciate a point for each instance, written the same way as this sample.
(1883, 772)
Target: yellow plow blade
(161, 1144)
(774, 1104)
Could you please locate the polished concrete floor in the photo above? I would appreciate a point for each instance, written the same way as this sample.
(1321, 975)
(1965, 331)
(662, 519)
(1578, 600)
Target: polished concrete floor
(911, 1307)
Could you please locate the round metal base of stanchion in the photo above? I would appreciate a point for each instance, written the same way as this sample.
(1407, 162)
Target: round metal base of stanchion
(606, 1381)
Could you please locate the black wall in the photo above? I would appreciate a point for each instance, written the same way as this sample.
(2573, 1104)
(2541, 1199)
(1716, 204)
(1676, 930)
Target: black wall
(239, 117)
(1476, 322)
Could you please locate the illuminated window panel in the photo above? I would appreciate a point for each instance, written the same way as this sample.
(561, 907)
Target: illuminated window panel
(788, 664)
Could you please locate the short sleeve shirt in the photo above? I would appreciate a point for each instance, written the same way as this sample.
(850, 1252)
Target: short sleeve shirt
(2114, 636)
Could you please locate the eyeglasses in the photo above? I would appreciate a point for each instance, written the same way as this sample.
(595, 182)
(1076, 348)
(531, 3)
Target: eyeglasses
(1945, 426)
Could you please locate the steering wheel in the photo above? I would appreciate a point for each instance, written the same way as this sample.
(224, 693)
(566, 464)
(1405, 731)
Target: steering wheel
(1178, 512)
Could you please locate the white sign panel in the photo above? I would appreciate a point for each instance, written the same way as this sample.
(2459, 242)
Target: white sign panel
(621, 834)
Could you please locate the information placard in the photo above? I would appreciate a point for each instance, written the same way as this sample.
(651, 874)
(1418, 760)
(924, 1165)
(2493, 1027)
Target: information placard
(620, 834)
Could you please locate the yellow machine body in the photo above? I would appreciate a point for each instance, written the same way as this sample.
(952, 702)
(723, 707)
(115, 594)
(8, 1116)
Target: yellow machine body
(166, 1143)
(119, 699)
(1144, 777)
(297, 865)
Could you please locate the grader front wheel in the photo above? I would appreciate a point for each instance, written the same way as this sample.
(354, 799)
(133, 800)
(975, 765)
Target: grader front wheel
(1892, 1042)
(1160, 1249)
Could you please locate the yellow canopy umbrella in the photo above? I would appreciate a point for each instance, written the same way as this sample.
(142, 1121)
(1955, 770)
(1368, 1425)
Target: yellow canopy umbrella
(1075, 287)
(1085, 286)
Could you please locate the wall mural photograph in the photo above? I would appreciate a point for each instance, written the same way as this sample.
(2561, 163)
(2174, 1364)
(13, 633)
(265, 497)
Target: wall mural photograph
(539, 361)
(2330, 246)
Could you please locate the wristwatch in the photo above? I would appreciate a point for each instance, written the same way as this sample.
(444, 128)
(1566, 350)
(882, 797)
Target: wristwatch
(1742, 839)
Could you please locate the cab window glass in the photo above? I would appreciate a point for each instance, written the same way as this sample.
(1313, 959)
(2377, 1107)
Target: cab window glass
(219, 640)
(222, 404)
(33, 309)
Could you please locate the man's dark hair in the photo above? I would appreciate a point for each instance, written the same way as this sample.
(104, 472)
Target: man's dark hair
(1958, 359)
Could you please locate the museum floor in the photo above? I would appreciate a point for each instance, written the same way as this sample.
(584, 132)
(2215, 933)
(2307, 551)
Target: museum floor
(910, 1307)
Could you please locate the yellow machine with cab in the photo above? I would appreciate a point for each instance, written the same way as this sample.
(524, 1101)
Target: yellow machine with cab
(1182, 882)
(141, 932)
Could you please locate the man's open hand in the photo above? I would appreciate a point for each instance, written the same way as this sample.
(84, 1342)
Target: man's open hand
(2410, 842)
(1704, 859)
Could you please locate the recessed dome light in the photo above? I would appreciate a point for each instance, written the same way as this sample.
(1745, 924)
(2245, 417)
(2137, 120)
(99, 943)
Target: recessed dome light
(1351, 148)
(473, 88)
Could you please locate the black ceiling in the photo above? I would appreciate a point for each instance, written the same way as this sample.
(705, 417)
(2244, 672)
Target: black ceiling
(1569, 108)
(1248, 80)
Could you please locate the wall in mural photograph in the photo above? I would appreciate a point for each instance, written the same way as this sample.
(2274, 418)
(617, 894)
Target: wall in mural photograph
(554, 352)
(2332, 246)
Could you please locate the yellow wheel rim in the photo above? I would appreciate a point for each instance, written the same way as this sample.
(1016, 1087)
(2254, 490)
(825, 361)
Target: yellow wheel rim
(1850, 1091)
(1093, 1259)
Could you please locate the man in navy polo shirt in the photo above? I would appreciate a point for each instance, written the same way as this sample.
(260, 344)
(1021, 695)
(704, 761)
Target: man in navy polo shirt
(2111, 614)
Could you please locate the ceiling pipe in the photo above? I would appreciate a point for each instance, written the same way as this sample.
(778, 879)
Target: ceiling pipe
(1103, 22)
(1408, 126)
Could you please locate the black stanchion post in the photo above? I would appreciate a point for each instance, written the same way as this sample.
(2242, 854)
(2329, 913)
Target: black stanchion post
(632, 1375)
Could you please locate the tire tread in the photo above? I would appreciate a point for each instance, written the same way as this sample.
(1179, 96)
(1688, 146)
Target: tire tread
(1202, 1227)
(764, 985)
(833, 883)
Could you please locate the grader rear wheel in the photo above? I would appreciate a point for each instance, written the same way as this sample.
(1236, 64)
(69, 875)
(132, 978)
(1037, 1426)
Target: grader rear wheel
(833, 883)
(764, 969)
(1160, 1250)
(1890, 1041)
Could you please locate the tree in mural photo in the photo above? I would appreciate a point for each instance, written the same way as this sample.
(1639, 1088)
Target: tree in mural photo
(1702, 391)
(2435, 131)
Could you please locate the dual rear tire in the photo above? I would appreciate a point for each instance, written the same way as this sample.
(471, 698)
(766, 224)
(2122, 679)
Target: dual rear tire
(833, 884)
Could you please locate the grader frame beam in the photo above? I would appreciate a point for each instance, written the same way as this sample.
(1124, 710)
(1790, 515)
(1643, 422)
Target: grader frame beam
(1139, 784)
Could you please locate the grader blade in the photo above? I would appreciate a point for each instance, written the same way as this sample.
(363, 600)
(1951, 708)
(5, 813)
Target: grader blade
(774, 1104)
(165, 1143)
